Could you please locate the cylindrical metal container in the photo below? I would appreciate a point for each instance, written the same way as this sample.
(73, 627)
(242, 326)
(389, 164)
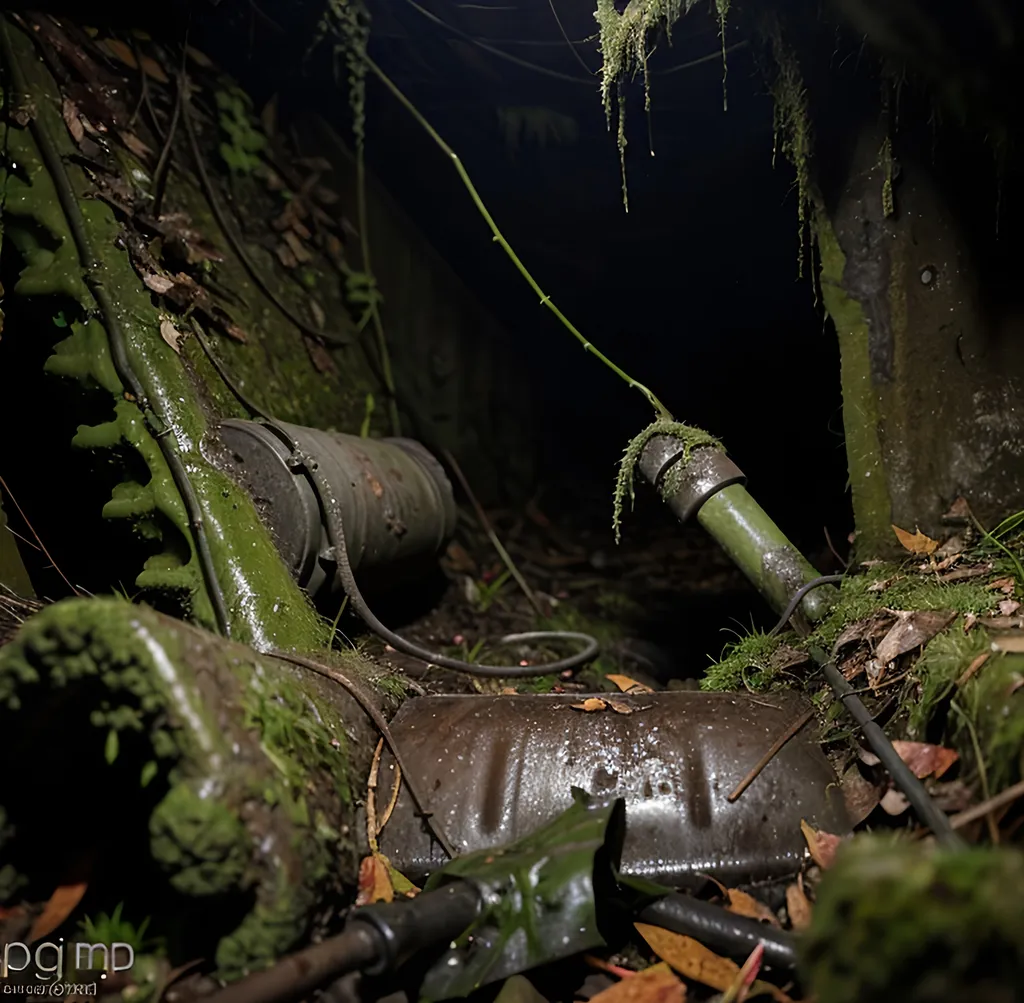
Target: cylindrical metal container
(397, 503)
(496, 768)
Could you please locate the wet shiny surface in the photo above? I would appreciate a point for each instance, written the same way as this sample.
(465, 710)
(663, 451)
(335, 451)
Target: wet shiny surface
(495, 768)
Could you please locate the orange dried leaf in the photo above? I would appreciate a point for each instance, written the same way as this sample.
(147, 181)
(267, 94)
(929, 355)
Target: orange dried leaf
(374, 881)
(62, 904)
(619, 707)
(823, 845)
(657, 984)
(627, 685)
(170, 334)
(746, 905)
(917, 542)
(925, 760)
(689, 957)
(798, 905)
(590, 705)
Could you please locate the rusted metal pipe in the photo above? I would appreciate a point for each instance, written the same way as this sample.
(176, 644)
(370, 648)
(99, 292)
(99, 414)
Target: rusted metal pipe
(397, 503)
(501, 766)
(710, 487)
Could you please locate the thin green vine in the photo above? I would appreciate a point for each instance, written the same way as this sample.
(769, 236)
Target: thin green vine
(349, 21)
(691, 438)
(661, 411)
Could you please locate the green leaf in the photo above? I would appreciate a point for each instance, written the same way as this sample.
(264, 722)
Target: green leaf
(541, 897)
(112, 747)
(149, 771)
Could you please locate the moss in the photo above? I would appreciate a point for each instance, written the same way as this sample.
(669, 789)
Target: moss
(745, 664)
(895, 922)
(273, 927)
(748, 661)
(792, 129)
(256, 755)
(295, 734)
(201, 843)
(624, 43)
(691, 438)
(266, 606)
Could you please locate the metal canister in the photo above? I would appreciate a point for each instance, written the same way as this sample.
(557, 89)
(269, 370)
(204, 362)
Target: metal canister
(495, 768)
(397, 503)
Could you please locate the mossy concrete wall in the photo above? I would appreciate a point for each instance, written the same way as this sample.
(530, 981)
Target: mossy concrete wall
(933, 380)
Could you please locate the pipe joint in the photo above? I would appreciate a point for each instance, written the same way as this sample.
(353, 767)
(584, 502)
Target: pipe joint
(686, 485)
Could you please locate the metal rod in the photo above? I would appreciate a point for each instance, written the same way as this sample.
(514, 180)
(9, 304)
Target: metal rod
(721, 930)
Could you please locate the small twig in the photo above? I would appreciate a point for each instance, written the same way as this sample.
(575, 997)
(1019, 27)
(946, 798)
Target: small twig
(831, 546)
(328, 672)
(371, 798)
(31, 529)
(499, 238)
(143, 85)
(493, 537)
(771, 753)
(396, 787)
(993, 829)
(987, 807)
(162, 169)
(882, 686)
(606, 966)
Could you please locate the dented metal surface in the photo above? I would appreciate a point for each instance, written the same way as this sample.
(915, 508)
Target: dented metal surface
(397, 502)
(499, 767)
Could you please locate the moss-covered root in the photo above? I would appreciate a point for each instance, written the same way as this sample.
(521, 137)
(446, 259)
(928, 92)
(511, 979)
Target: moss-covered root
(894, 922)
(239, 767)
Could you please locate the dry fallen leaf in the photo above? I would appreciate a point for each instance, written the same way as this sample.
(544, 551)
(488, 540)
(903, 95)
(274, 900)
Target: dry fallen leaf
(911, 630)
(798, 905)
(746, 905)
(916, 542)
(61, 905)
(694, 961)
(374, 881)
(822, 845)
(590, 704)
(170, 334)
(860, 795)
(72, 121)
(627, 685)
(1008, 607)
(1004, 585)
(925, 760)
(158, 283)
(1009, 642)
(619, 707)
(657, 984)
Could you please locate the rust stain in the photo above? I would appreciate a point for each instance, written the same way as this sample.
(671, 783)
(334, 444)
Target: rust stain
(375, 486)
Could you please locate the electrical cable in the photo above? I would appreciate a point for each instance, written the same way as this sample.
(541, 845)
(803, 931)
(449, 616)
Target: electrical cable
(798, 597)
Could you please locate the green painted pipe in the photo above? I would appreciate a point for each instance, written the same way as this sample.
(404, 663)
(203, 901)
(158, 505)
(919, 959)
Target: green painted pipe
(761, 551)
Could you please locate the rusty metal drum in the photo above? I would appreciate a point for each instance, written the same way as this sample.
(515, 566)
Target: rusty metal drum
(397, 503)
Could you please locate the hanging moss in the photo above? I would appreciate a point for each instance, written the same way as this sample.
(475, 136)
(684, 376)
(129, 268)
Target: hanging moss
(624, 44)
(792, 129)
(688, 435)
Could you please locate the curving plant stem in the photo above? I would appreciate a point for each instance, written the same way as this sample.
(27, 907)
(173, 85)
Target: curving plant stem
(662, 411)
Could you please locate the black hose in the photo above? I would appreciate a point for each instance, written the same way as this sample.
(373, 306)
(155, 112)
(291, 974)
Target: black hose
(798, 596)
(336, 533)
(721, 930)
(912, 788)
